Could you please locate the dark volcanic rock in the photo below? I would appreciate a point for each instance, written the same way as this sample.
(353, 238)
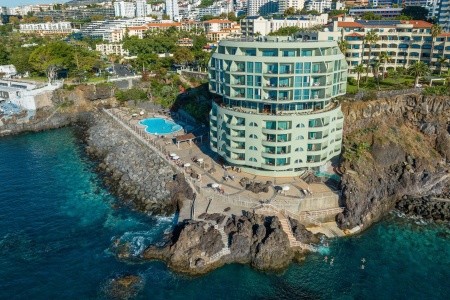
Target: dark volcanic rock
(252, 239)
(425, 207)
(133, 171)
(393, 148)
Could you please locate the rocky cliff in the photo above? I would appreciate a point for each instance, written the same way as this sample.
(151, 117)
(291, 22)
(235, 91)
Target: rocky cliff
(393, 148)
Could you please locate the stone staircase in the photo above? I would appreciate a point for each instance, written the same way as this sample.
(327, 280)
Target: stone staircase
(292, 240)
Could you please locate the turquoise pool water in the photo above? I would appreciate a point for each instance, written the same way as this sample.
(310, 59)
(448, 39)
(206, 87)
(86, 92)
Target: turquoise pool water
(335, 177)
(160, 126)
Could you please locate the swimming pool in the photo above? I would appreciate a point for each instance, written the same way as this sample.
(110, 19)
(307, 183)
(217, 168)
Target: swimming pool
(160, 126)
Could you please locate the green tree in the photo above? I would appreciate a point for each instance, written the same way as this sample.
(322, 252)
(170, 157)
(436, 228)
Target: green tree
(19, 58)
(370, 38)
(436, 30)
(343, 46)
(376, 72)
(442, 62)
(384, 58)
(415, 12)
(359, 69)
(182, 55)
(4, 55)
(370, 16)
(286, 31)
(418, 70)
(290, 11)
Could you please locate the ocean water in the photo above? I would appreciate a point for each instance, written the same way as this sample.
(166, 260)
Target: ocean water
(58, 224)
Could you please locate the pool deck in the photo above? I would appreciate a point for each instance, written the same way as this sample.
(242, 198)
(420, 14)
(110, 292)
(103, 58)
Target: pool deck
(230, 197)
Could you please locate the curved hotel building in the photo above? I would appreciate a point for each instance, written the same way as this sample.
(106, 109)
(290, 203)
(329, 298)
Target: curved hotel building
(273, 111)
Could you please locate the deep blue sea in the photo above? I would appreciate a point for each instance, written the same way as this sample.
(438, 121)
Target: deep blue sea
(57, 225)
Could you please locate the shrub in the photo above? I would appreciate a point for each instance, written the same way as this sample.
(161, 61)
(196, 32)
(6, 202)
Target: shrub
(135, 94)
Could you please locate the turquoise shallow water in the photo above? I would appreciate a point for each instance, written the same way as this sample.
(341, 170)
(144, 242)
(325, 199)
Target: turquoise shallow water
(57, 223)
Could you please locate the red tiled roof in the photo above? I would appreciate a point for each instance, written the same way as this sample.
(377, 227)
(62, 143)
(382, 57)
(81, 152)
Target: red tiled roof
(218, 21)
(418, 23)
(163, 24)
(444, 34)
(354, 34)
(349, 24)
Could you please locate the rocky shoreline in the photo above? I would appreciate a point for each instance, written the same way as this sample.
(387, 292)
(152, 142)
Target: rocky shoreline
(197, 247)
(428, 208)
(132, 170)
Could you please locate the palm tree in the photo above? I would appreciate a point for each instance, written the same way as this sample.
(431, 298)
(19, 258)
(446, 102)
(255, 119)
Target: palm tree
(370, 38)
(343, 46)
(359, 69)
(418, 70)
(441, 61)
(376, 72)
(436, 30)
(384, 58)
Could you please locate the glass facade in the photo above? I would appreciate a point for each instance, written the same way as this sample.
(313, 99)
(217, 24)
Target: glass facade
(272, 97)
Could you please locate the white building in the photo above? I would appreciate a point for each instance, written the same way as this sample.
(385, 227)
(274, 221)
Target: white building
(27, 96)
(285, 4)
(47, 28)
(259, 25)
(261, 7)
(172, 10)
(142, 8)
(8, 71)
(444, 14)
(124, 9)
(108, 49)
(319, 5)
(109, 29)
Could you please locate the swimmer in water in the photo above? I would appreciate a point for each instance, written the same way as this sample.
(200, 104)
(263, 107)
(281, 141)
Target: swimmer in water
(363, 260)
(362, 267)
(325, 259)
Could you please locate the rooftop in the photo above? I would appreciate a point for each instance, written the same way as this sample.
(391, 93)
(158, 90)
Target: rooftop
(385, 23)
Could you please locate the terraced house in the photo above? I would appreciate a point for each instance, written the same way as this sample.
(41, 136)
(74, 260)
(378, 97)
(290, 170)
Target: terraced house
(274, 111)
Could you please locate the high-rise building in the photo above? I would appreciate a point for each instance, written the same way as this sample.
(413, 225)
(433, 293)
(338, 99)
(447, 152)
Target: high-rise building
(141, 8)
(285, 4)
(274, 112)
(444, 14)
(124, 9)
(261, 7)
(172, 10)
(319, 5)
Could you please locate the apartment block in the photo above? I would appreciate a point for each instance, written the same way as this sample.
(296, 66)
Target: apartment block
(274, 112)
(60, 28)
(251, 26)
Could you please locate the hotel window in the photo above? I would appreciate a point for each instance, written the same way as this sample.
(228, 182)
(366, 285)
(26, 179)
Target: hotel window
(307, 67)
(306, 52)
(289, 53)
(250, 93)
(253, 148)
(249, 80)
(299, 68)
(253, 136)
(250, 67)
(250, 52)
(270, 52)
(252, 159)
(258, 67)
(258, 80)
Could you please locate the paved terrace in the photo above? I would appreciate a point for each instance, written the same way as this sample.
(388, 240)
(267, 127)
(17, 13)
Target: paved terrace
(216, 194)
